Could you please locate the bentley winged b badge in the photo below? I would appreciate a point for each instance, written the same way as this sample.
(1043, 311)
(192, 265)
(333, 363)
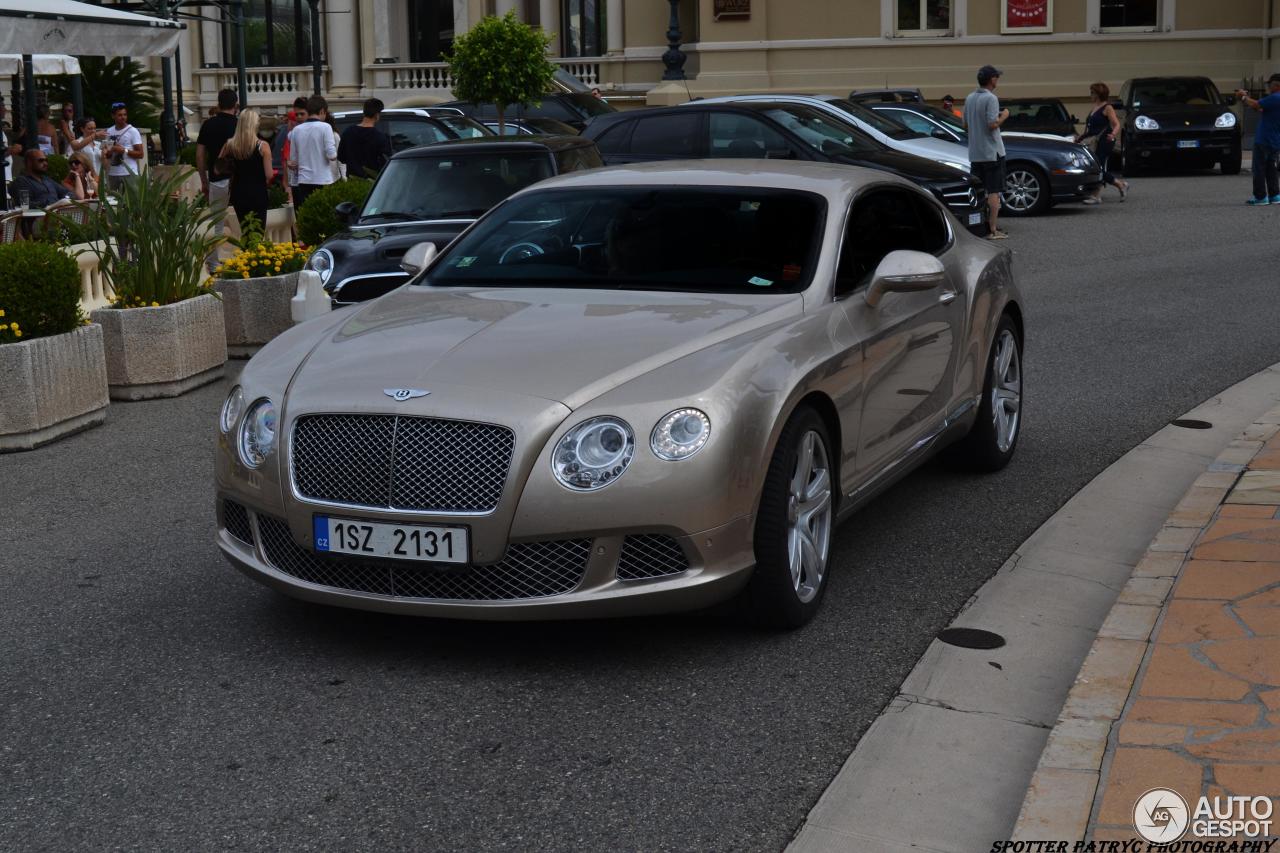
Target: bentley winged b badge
(402, 394)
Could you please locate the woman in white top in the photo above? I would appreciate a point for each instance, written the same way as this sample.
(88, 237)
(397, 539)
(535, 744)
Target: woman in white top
(87, 142)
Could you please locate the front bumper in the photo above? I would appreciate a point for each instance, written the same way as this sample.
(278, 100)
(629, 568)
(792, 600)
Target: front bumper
(579, 575)
(1068, 187)
(1190, 147)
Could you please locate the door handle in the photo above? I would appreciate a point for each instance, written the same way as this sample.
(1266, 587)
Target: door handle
(947, 297)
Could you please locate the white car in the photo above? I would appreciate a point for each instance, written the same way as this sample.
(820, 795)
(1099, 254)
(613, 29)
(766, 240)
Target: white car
(880, 128)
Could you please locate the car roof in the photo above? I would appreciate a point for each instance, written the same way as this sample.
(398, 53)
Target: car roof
(396, 111)
(1031, 100)
(1195, 77)
(834, 181)
(501, 144)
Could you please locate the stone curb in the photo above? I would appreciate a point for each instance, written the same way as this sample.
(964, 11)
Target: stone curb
(1061, 795)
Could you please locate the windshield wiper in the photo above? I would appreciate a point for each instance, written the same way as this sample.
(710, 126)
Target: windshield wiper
(470, 213)
(396, 215)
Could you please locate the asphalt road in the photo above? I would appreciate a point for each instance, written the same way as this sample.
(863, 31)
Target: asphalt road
(151, 697)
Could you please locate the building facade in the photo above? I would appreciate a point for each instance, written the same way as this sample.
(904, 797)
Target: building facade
(392, 49)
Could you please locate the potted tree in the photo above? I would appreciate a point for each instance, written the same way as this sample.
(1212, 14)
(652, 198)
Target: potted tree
(501, 61)
(163, 331)
(256, 285)
(53, 376)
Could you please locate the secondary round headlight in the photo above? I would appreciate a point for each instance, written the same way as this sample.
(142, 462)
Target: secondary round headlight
(680, 434)
(258, 433)
(1225, 120)
(594, 454)
(1146, 123)
(322, 262)
(231, 410)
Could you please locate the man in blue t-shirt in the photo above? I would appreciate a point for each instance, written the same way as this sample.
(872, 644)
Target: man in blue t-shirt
(1266, 143)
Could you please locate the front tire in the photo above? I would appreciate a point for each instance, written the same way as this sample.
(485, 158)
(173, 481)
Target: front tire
(794, 525)
(994, 436)
(1230, 164)
(1026, 191)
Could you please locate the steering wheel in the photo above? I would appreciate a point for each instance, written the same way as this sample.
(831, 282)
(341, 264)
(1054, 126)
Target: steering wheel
(520, 252)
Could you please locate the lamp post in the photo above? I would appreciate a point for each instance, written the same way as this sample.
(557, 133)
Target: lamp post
(673, 58)
(168, 131)
(315, 46)
(237, 16)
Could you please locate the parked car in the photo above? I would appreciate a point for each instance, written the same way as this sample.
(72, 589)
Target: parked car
(555, 420)
(775, 130)
(431, 194)
(531, 126)
(1178, 122)
(1048, 116)
(886, 96)
(1042, 172)
(884, 130)
(572, 108)
(409, 127)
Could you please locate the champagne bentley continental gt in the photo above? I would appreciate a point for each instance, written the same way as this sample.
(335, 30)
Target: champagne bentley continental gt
(647, 388)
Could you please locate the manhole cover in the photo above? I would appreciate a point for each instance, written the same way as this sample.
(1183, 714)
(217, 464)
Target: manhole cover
(971, 638)
(1191, 423)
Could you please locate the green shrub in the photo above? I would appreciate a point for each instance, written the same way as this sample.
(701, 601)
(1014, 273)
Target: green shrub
(316, 219)
(187, 155)
(276, 196)
(39, 291)
(59, 167)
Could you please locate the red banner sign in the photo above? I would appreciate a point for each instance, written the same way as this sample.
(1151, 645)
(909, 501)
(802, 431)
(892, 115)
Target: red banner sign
(1027, 15)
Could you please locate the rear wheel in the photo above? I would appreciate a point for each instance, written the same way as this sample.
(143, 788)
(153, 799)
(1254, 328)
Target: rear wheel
(990, 443)
(1026, 191)
(1130, 165)
(793, 528)
(1230, 164)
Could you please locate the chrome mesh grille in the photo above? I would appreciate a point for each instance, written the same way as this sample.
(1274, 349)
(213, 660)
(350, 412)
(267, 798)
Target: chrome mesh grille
(400, 462)
(236, 519)
(650, 556)
(529, 570)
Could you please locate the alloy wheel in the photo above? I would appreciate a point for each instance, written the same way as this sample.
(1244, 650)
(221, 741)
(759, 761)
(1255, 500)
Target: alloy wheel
(1006, 390)
(809, 516)
(1022, 190)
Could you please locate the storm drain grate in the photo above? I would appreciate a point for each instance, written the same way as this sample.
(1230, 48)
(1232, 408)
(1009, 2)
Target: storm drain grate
(1191, 423)
(971, 638)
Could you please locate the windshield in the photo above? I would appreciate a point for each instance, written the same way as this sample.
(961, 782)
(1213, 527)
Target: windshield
(884, 124)
(464, 126)
(823, 133)
(450, 187)
(1033, 113)
(1158, 93)
(589, 105)
(943, 117)
(704, 239)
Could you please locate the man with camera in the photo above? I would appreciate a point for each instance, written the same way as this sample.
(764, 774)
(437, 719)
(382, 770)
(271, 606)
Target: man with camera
(1266, 143)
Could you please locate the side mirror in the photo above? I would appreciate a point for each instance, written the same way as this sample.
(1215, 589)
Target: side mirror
(780, 154)
(1117, 105)
(416, 259)
(904, 271)
(939, 133)
(1074, 120)
(1229, 100)
(345, 211)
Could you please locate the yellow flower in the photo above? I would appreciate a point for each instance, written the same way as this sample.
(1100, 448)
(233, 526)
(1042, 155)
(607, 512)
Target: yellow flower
(17, 333)
(155, 304)
(1, 312)
(3, 327)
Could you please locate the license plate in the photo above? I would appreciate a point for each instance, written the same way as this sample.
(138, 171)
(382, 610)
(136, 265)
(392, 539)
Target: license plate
(1188, 143)
(975, 218)
(393, 541)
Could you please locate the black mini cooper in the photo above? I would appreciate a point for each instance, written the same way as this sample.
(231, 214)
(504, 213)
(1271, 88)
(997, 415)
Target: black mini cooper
(1178, 122)
(430, 195)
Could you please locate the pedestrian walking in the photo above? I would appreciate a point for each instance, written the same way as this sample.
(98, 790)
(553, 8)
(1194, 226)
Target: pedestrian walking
(1266, 143)
(123, 148)
(250, 159)
(1101, 127)
(216, 131)
(296, 117)
(949, 104)
(312, 151)
(364, 149)
(983, 117)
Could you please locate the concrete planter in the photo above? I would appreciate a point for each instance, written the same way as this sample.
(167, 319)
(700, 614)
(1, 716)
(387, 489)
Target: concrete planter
(255, 310)
(51, 387)
(165, 351)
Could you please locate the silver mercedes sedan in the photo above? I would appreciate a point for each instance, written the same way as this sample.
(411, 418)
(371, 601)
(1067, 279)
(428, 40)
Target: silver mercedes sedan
(646, 388)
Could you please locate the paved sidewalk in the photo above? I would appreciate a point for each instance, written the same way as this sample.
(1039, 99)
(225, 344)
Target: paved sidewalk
(1181, 690)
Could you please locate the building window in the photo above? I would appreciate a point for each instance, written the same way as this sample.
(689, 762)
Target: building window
(276, 32)
(1128, 14)
(583, 27)
(430, 29)
(923, 16)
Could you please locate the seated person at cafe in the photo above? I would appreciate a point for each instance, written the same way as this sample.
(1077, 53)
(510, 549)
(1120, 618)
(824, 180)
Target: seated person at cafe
(42, 189)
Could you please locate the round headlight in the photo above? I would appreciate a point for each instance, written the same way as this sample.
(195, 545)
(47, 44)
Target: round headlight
(322, 262)
(680, 434)
(1146, 123)
(258, 433)
(1225, 120)
(232, 409)
(594, 454)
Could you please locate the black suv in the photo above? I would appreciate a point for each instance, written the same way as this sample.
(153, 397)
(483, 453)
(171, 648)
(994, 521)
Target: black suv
(573, 108)
(1178, 122)
(410, 127)
(431, 194)
(776, 130)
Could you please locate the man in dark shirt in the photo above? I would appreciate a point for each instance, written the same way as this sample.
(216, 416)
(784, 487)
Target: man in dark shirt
(41, 189)
(215, 132)
(364, 149)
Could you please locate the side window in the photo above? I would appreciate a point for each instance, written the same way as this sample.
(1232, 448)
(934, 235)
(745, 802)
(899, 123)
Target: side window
(577, 159)
(884, 221)
(673, 135)
(914, 121)
(617, 139)
(407, 133)
(735, 135)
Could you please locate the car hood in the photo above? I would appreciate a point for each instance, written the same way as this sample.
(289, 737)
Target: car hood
(1029, 146)
(379, 248)
(907, 165)
(934, 149)
(568, 346)
(1194, 113)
